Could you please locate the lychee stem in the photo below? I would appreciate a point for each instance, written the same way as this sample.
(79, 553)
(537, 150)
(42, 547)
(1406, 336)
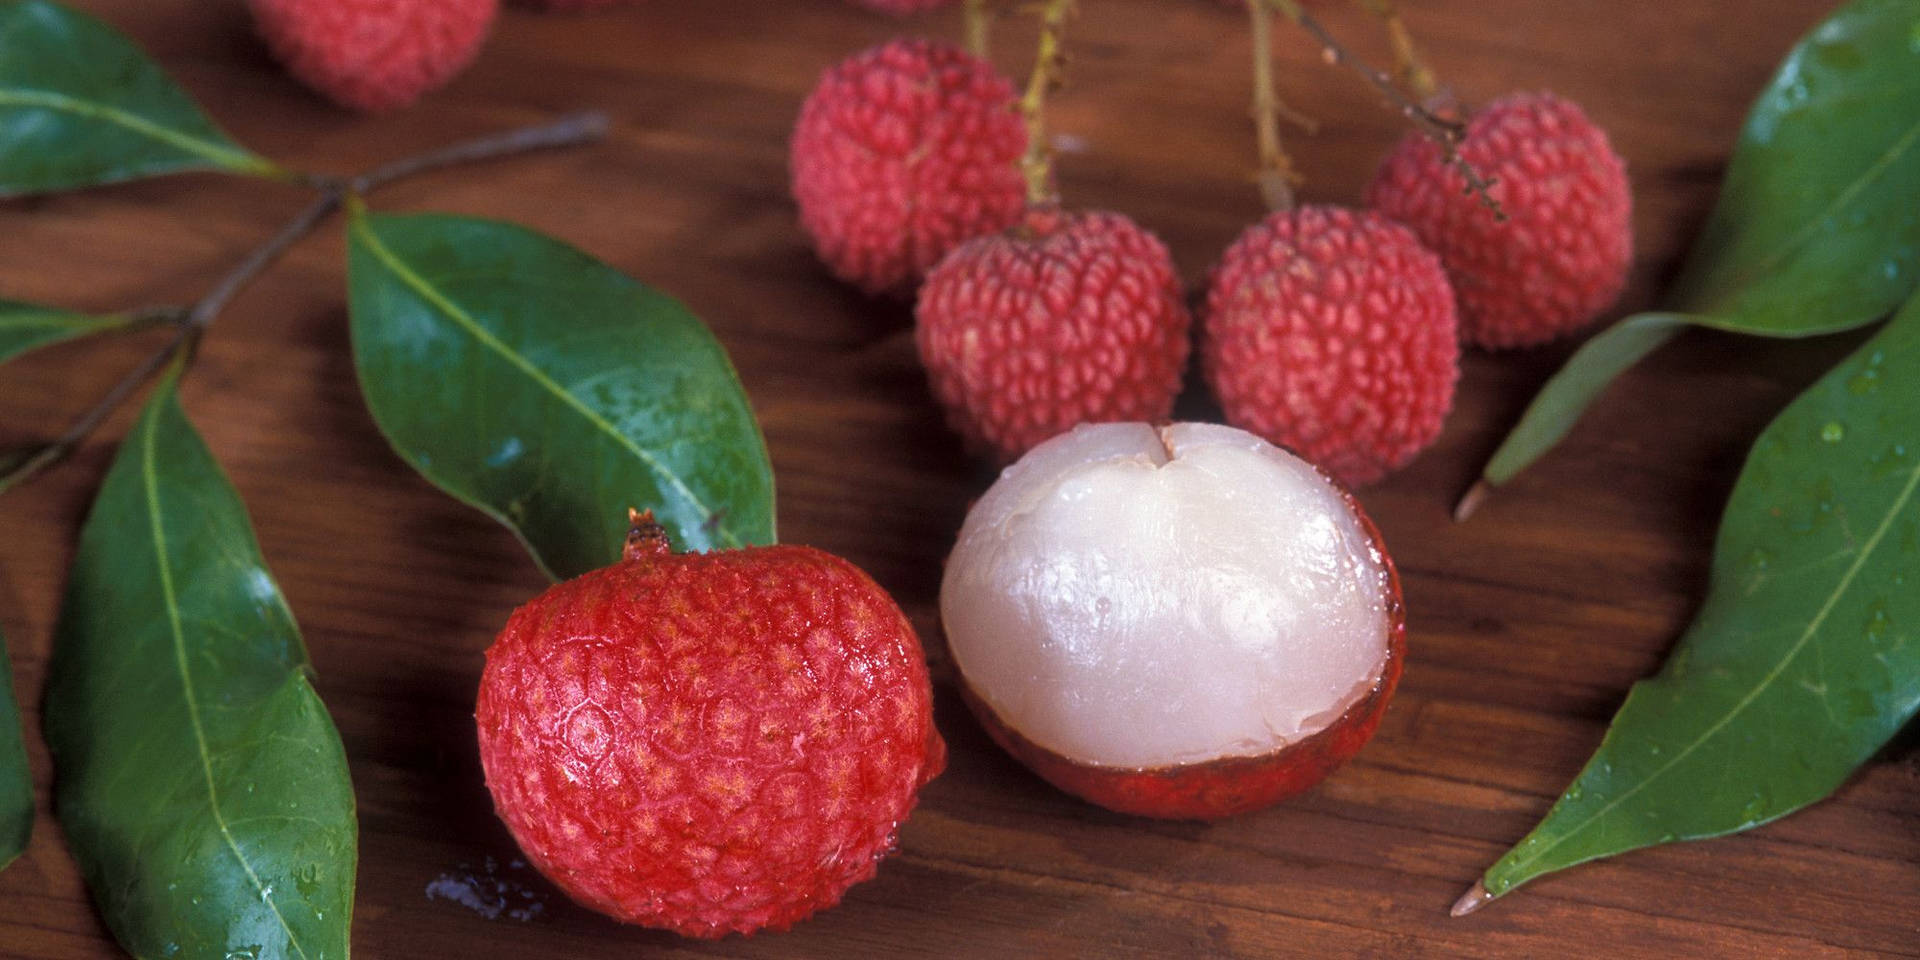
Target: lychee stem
(1276, 174)
(1049, 63)
(1447, 133)
(645, 538)
(1412, 70)
(980, 15)
(570, 130)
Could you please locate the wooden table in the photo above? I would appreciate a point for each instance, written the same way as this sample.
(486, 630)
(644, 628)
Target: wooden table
(1527, 624)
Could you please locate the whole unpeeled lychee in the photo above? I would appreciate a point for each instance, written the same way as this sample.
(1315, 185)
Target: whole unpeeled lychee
(708, 743)
(901, 153)
(1067, 318)
(1181, 621)
(1561, 256)
(374, 54)
(1332, 332)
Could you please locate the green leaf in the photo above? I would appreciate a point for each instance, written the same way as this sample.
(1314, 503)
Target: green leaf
(550, 391)
(1817, 228)
(24, 326)
(200, 782)
(1805, 658)
(16, 781)
(81, 105)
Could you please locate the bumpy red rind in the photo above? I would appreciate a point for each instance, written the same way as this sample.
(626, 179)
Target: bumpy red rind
(374, 55)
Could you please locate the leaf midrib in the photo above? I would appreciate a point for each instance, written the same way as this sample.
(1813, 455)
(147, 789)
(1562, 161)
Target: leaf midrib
(453, 311)
(214, 153)
(152, 492)
(1813, 627)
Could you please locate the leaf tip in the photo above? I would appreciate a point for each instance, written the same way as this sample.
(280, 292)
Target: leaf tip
(1470, 503)
(1475, 898)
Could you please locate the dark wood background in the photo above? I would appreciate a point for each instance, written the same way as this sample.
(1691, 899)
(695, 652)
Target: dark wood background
(1526, 625)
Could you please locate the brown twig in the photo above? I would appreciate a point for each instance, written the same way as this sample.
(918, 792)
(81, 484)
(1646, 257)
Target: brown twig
(1048, 65)
(571, 130)
(980, 15)
(1447, 133)
(1276, 174)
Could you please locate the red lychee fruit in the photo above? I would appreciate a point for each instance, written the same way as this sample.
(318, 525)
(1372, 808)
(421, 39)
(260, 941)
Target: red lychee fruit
(1067, 318)
(1181, 621)
(901, 153)
(1562, 255)
(902, 8)
(708, 743)
(1332, 332)
(374, 55)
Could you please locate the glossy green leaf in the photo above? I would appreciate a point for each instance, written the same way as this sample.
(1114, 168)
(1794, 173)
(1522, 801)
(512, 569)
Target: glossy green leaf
(25, 326)
(1817, 228)
(200, 782)
(16, 780)
(1805, 658)
(81, 105)
(550, 391)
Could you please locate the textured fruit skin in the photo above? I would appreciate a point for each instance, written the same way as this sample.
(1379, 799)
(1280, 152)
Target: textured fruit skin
(1333, 332)
(1561, 257)
(374, 55)
(708, 743)
(1068, 318)
(1229, 786)
(901, 153)
(902, 8)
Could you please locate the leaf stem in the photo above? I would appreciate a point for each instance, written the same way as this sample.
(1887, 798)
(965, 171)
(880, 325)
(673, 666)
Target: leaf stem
(1276, 174)
(1412, 70)
(567, 131)
(980, 15)
(181, 345)
(1447, 133)
(1049, 63)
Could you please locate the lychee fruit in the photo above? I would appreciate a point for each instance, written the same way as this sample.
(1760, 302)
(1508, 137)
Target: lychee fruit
(708, 743)
(901, 153)
(1562, 254)
(1066, 318)
(374, 55)
(1181, 621)
(902, 8)
(1332, 332)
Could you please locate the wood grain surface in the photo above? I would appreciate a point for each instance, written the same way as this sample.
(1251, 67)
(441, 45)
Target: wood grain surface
(1527, 624)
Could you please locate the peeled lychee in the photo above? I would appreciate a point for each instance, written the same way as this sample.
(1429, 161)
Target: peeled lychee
(1181, 621)
(1067, 318)
(1332, 332)
(901, 153)
(1562, 255)
(374, 54)
(708, 743)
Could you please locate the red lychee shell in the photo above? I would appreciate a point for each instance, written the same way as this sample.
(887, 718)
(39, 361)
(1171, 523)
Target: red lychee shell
(373, 55)
(1332, 332)
(1561, 257)
(901, 153)
(1232, 785)
(708, 742)
(902, 8)
(1068, 318)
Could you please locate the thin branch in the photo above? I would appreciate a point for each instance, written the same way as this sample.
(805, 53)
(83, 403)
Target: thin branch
(1447, 133)
(1413, 70)
(1276, 175)
(263, 257)
(567, 131)
(63, 446)
(980, 15)
(1048, 65)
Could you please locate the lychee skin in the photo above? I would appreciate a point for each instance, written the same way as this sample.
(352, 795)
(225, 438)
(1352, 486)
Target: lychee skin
(1562, 255)
(1068, 318)
(901, 153)
(708, 743)
(1333, 332)
(1233, 785)
(373, 55)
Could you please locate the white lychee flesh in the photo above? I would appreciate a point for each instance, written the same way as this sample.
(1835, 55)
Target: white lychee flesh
(1146, 597)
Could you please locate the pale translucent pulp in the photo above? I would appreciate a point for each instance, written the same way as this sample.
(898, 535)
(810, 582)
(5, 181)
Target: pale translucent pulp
(1140, 597)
